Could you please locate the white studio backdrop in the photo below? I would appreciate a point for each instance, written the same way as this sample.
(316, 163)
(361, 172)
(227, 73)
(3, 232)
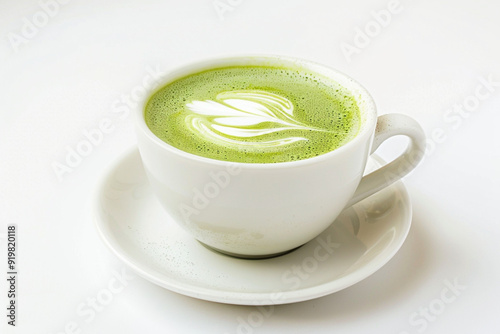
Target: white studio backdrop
(71, 71)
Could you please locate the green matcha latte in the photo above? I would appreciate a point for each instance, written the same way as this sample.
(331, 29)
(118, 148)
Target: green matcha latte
(254, 114)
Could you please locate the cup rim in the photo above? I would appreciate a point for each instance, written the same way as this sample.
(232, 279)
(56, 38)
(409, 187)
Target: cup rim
(358, 91)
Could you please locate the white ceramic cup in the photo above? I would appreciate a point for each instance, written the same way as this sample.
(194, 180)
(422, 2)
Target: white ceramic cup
(260, 210)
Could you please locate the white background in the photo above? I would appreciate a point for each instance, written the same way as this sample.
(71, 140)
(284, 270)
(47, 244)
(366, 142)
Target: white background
(65, 75)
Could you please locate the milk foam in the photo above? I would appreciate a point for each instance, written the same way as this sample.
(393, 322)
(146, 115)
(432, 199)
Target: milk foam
(234, 115)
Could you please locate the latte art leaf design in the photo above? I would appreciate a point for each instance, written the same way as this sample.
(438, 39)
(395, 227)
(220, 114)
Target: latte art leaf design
(237, 117)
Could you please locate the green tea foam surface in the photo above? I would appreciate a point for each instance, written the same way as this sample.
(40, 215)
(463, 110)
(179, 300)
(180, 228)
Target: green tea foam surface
(254, 114)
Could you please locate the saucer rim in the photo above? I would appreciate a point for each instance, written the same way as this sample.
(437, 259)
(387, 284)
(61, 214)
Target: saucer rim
(237, 297)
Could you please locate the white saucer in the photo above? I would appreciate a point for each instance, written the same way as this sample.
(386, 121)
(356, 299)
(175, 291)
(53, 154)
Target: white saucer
(135, 227)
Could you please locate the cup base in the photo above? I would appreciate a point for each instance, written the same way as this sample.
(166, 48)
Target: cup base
(245, 256)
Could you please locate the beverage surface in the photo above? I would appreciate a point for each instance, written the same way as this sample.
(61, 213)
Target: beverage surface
(254, 114)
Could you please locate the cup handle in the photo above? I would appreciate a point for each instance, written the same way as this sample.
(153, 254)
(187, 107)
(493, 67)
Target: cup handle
(388, 126)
